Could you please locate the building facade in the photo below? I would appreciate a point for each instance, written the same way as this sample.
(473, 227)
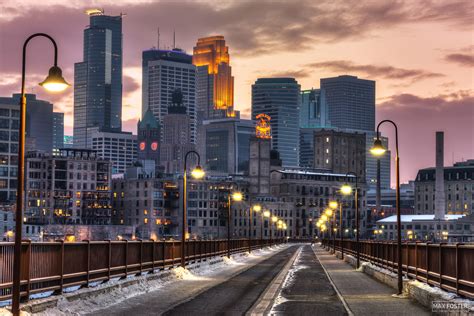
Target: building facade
(224, 145)
(39, 121)
(280, 99)
(148, 136)
(215, 83)
(72, 187)
(458, 189)
(340, 152)
(163, 72)
(118, 148)
(58, 130)
(98, 78)
(351, 102)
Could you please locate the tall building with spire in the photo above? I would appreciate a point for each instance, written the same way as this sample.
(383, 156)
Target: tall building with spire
(98, 78)
(215, 83)
(176, 135)
(164, 71)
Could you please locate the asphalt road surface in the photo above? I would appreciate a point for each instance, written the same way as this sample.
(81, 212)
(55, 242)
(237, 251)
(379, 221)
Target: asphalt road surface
(236, 295)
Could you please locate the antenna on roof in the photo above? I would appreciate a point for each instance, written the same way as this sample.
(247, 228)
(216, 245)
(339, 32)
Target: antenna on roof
(174, 39)
(158, 44)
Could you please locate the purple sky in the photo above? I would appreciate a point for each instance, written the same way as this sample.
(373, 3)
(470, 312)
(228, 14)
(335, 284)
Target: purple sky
(419, 52)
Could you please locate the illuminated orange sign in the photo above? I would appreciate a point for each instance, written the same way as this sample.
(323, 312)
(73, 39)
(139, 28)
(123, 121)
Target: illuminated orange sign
(263, 129)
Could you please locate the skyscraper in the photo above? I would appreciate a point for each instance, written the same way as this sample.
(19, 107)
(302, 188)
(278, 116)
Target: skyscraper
(280, 99)
(215, 84)
(98, 79)
(314, 110)
(164, 71)
(39, 122)
(351, 102)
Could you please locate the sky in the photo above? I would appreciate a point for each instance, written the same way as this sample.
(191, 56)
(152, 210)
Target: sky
(420, 53)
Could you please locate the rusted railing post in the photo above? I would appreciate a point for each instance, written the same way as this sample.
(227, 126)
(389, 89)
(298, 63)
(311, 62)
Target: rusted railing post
(164, 253)
(88, 262)
(152, 256)
(427, 262)
(62, 268)
(440, 260)
(458, 263)
(28, 264)
(126, 258)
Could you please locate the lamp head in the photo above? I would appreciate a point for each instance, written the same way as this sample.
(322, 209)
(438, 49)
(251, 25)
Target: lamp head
(328, 212)
(55, 81)
(333, 204)
(346, 189)
(274, 219)
(266, 214)
(324, 217)
(257, 208)
(237, 196)
(198, 173)
(377, 149)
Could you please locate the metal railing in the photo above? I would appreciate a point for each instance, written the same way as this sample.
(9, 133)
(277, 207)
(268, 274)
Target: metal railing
(54, 266)
(447, 266)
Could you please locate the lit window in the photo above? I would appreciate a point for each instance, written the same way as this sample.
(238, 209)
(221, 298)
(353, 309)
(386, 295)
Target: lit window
(145, 220)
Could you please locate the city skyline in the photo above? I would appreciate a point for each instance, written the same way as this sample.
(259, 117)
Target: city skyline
(429, 74)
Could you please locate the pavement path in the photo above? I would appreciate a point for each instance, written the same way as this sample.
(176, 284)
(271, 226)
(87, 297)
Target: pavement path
(363, 294)
(307, 289)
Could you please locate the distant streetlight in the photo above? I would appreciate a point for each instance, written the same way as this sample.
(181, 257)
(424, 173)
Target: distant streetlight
(346, 189)
(333, 205)
(235, 196)
(196, 173)
(255, 208)
(54, 82)
(378, 150)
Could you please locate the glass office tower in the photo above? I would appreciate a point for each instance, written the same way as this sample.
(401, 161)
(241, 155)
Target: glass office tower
(280, 99)
(98, 79)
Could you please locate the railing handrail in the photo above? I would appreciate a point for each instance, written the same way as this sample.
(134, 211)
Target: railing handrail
(443, 265)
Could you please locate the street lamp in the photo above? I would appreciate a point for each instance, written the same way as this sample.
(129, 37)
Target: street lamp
(235, 196)
(196, 173)
(333, 204)
(256, 208)
(378, 150)
(54, 82)
(346, 189)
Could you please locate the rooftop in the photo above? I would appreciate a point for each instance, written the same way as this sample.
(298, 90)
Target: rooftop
(416, 218)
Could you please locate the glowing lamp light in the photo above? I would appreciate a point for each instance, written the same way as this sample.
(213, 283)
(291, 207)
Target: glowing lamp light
(346, 189)
(55, 81)
(328, 212)
(198, 173)
(257, 208)
(318, 224)
(284, 226)
(377, 149)
(237, 196)
(266, 214)
(333, 204)
(274, 219)
(324, 217)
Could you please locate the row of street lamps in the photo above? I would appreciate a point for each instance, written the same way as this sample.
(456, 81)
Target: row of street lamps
(377, 150)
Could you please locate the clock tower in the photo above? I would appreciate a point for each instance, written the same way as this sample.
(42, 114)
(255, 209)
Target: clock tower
(149, 138)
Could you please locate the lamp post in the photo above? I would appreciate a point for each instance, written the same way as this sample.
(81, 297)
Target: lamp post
(255, 208)
(196, 173)
(378, 150)
(266, 214)
(346, 189)
(54, 82)
(236, 196)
